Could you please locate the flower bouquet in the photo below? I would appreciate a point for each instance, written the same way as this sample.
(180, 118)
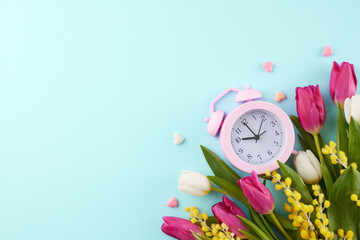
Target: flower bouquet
(322, 194)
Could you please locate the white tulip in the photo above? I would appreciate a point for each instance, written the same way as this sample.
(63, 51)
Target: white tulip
(352, 108)
(308, 167)
(194, 183)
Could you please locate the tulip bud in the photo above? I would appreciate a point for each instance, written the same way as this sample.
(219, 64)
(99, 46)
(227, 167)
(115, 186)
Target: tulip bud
(259, 197)
(310, 108)
(227, 212)
(343, 82)
(180, 228)
(308, 167)
(352, 108)
(194, 183)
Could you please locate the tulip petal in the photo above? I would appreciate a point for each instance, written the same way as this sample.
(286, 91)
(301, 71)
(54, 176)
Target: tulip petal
(355, 108)
(192, 191)
(333, 78)
(196, 181)
(306, 110)
(305, 169)
(233, 208)
(259, 197)
(319, 105)
(180, 228)
(256, 181)
(314, 162)
(347, 109)
(310, 108)
(343, 82)
(226, 212)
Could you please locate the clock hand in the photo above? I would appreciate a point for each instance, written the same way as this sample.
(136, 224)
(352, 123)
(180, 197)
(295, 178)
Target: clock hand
(249, 129)
(256, 137)
(262, 120)
(247, 138)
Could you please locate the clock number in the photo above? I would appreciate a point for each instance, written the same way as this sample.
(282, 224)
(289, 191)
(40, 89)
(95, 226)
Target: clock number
(269, 152)
(259, 157)
(253, 117)
(249, 156)
(272, 123)
(276, 143)
(237, 130)
(237, 140)
(276, 133)
(263, 118)
(241, 151)
(244, 121)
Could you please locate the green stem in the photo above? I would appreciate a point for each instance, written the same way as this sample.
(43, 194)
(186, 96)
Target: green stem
(316, 138)
(340, 109)
(338, 140)
(278, 224)
(220, 191)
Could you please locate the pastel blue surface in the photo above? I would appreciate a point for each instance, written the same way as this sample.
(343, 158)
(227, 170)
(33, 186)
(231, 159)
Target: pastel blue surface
(91, 93)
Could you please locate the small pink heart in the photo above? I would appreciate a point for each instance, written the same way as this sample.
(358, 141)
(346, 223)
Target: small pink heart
(268, 66)
(327, 51)
(172, 202)
(279, 96)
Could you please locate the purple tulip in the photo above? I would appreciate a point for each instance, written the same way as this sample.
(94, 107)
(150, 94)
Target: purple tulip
(259, 197)
(226, 212)
(343, 82)
(310, 108)
(180, 228)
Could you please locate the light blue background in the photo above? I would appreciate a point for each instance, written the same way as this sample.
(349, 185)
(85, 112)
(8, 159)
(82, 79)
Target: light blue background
(91, 93)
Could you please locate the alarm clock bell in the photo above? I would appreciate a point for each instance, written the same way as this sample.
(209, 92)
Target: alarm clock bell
(216, 118)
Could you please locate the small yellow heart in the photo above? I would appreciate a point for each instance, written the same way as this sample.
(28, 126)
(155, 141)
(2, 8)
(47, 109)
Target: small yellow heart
(279, 96)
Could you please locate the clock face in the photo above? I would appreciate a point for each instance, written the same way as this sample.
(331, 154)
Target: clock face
(257, 137)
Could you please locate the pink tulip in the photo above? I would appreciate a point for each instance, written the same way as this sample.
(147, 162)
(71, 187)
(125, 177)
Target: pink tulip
(310, 108)
(180, 228)
(343, 82)
(226, 212)
(259, 197)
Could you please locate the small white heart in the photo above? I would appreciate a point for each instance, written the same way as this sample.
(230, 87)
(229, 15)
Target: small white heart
(178, 139)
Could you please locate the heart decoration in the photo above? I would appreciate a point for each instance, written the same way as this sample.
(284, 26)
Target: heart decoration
(327, 51)
(178, 139)
(268, 66)
(172, 202)
(279, 96)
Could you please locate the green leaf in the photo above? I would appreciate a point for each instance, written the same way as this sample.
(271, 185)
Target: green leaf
(303, 143)
(297, 183)
(211, 220)
(344, 213)
(263, 176)
(343, 139)
(253, 228)
(234, 191)
(219, 167)
(268, 227)
(283, 221)
(249, 235)
(354, 142)
(306, 136)
(326, 176)
(198, 237)
(261, 223)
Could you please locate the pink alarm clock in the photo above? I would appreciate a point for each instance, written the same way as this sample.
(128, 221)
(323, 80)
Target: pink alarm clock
(253, 135)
